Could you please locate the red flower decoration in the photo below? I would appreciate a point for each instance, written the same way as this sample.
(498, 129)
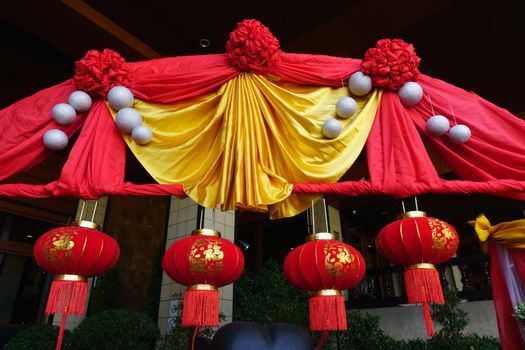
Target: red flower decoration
(252, 47)
(391, 64)
(98, 72)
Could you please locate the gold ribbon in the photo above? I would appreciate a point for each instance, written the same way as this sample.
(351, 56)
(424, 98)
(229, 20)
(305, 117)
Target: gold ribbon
(509, 234)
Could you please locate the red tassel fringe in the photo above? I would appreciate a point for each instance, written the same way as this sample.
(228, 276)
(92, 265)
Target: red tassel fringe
(201, 308)
(327, 313)
(428, 320)
(423, 286)
(67, 298)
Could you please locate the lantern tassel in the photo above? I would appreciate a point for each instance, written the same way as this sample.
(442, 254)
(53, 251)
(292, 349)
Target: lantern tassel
(61, 330)
(67, 296)
(327, 313)
(201, 308)
(428, 320)
(423, 285)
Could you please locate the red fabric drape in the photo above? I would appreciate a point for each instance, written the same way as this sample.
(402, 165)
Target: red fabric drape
(510, 337)
(23, 125)
(398, 162)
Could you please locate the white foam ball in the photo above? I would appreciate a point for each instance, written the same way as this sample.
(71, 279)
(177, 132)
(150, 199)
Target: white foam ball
(142, 134)
(459, 133)
(120, 97)
(63, 114)
(346, 107)
(55, 140)
(360, 84)
(127, 118)
(332, 128)
(437, 125)
(410, 94)
(80, 101)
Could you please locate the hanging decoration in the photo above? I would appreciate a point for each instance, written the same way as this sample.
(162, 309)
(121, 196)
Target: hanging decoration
(73, 253)
(325, 267)
(244, 113)
(419, 243)
(391, 64)
(203, 262)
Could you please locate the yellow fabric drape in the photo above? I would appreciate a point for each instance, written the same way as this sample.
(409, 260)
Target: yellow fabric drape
(510, 234)
(244, 145)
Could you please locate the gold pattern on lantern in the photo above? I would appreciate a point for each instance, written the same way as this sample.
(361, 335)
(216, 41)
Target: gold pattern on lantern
(443, 238)
(206, 257)
(58, 247)
(337, 259)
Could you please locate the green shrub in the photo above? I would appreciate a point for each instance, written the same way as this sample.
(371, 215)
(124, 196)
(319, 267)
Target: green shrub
(449, 316)
(268, 298)
(151, 307)
(364, 333)
(42, 337)
(106, 295)
(115, 329)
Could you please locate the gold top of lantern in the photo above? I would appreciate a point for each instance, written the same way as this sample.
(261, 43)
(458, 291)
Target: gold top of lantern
(86, 224)
(412, 214)
(318, 236)
(206, 232)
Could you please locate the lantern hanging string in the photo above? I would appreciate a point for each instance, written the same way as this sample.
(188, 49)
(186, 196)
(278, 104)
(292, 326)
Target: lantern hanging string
(313, 217)
(403, 205)
(415, 202)
(82, 209)
(431, 105)
(325, 214)
(94, 211)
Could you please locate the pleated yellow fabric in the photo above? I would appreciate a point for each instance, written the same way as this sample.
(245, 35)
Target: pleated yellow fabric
(244, 145)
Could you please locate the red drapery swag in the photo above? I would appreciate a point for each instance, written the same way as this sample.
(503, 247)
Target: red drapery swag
(492, 161)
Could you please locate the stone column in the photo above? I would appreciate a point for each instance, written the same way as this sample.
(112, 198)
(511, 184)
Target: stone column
(182, 220)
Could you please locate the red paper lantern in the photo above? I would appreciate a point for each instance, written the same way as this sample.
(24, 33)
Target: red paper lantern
(203, 261)
(325, 266)
(73, 254)
(419, 242)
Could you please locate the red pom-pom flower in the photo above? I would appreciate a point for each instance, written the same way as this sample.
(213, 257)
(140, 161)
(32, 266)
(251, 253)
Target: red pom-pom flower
(252, 47)
(391, 64)
(98, 72)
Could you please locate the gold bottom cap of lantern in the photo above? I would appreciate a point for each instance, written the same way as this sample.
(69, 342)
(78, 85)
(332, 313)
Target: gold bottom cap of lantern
(326, 293)
(202, 287)
(70, 278)
(421, 266)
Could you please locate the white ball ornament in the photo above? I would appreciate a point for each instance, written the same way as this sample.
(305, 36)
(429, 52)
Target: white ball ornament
(142, 134)
(120, 97)
(55, 140)
(459, 133)
(437, 125)
(127, 119)
(80, 101)
(332, 128)
(346, 107)
(360, 84)
(410, 94)
(64, 114)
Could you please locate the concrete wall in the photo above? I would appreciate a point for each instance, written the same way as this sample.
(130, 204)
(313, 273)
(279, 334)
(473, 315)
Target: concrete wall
(406, 322)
